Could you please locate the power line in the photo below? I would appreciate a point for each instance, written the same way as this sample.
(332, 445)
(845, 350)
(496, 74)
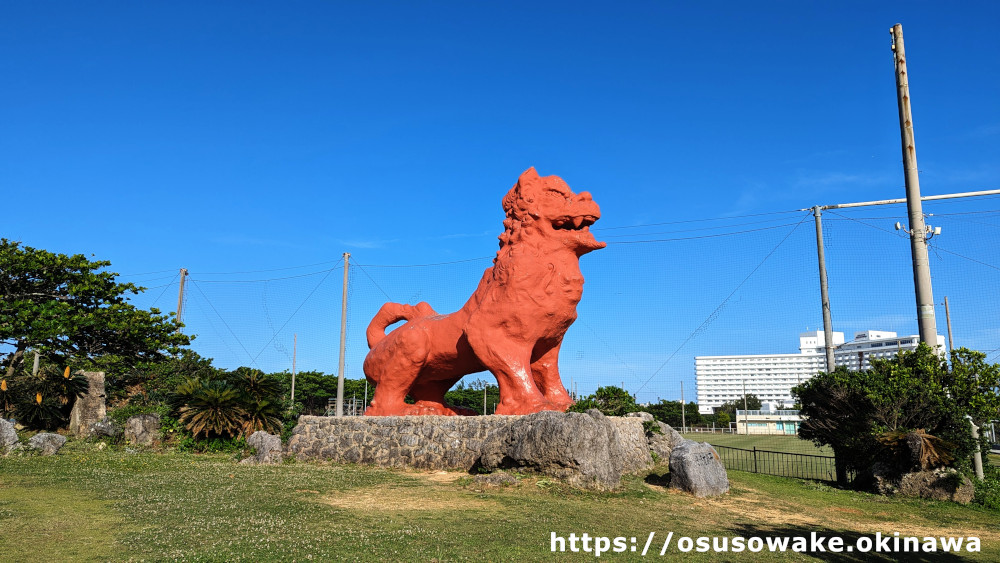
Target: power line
(275, 335)
(164, 290)
(718, 310)
(696, 220)
(706, 236)
(424, 265)
(252, 359)
(273, 279)
(373, 281)
(271, 269)
(695, 229)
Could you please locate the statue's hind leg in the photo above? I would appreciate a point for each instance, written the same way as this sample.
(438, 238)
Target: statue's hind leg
(395, 365)
(429, 397)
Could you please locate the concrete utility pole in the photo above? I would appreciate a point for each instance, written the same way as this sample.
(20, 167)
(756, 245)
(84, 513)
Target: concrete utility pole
(824, 291)
(683, 420)
(947, 318)
(180, 298)
(918, 231)
(343, 341)
(746, 414)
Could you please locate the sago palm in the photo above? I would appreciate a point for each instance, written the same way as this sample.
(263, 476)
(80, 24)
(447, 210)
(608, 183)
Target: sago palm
(214, 408)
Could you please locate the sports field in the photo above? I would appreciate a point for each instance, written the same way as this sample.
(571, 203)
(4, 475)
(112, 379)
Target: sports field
(778, 443)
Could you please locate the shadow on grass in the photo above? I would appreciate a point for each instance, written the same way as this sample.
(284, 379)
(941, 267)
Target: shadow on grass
(850, 539)
(658, 480)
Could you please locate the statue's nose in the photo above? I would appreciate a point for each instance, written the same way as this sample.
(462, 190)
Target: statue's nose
(585, 196)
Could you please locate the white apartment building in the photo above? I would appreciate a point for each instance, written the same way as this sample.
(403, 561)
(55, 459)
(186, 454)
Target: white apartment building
(721, 379)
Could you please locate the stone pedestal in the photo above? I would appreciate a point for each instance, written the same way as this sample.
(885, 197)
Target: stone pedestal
(91, 407)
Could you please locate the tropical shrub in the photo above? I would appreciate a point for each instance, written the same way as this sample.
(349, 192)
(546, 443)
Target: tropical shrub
(234, 404)
(610, 400)
(41, 401)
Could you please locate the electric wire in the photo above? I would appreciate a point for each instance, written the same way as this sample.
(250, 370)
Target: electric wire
(425, 265)
(274, 279)
(207, 300)
(373, 282)
(935, 246)
(164, 290)
(275, 335)
(718, 310)
(696, 220)
(705, 236)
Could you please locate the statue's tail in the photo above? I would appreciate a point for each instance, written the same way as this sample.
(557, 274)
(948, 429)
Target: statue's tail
(394, 312)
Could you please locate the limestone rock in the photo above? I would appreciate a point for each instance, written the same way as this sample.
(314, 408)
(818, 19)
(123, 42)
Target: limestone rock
(143, 429)
(641, 415)
(586, 450)
(582, 449)
(634, 444)
(696, 468)
(89, 408)
(105, 428)
(8, 436)
(937, 484)
(268, 448)
(662, 443)
(46, 442)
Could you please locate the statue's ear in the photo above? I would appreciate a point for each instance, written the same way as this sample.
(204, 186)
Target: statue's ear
(528, 175)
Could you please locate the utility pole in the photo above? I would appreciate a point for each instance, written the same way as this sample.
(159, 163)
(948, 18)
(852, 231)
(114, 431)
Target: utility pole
(180, 298)
(34, 367)
(343, 341)
(947, 318)
(824, 291)
(746, 415)
(918, 230)
(484, 399)
(295, 347)
(683, 419)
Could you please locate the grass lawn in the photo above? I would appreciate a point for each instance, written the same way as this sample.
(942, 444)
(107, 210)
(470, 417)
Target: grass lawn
(777, 443)
(85, 504)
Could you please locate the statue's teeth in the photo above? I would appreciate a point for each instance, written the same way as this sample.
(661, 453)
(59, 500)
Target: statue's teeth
(577, 221)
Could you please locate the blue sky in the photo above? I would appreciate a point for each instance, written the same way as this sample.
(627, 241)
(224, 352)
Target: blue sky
(248, 136)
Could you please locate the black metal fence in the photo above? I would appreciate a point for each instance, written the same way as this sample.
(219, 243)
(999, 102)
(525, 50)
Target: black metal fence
(781, 464)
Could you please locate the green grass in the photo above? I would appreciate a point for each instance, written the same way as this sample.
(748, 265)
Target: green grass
(777, 443)
(85, 504)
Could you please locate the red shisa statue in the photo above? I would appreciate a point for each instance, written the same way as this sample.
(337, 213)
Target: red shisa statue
(512, 325)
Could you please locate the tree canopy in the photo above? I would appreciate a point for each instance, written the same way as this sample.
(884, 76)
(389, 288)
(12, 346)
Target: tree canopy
(70, 311)
(854, 412)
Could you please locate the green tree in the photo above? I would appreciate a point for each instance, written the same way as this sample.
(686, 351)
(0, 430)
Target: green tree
(854, 411)
(471, 396)
(150, 383)
(751, 403)
(72, 313)
(670, 413)
(610, 400)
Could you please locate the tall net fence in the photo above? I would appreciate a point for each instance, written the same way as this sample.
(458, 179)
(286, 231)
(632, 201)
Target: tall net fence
(656, 298)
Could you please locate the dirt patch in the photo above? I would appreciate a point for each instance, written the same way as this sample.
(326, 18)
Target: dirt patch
(403, 499)
(439, 476)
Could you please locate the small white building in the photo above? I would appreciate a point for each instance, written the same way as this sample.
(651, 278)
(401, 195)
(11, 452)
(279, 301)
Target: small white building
(768, 421)
(770, 377)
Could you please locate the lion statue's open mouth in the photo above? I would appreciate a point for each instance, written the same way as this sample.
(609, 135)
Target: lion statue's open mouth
(512, 325)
